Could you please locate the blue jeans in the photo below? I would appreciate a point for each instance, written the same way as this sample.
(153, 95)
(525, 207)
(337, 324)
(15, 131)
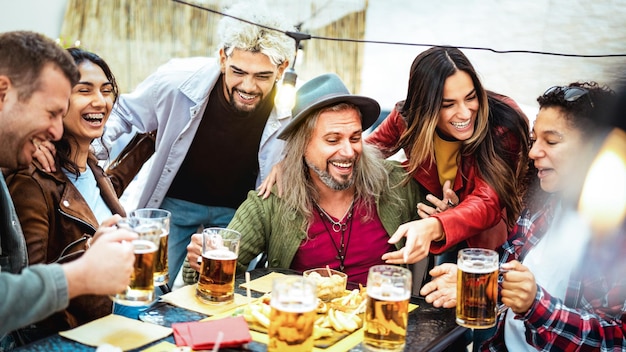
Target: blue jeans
(187, 218)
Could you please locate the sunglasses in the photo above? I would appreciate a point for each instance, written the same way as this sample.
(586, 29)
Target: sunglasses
(570, 94)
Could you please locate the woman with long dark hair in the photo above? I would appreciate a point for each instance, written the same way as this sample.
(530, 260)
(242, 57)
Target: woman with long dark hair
(61, 210)
(459, 139)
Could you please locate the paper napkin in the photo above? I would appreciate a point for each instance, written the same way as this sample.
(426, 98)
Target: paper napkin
(185, 297)
(262, 284)
(117, 330)
(202, 335)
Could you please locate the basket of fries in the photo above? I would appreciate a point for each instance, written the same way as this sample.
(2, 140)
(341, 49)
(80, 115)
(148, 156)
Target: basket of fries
(330, 283)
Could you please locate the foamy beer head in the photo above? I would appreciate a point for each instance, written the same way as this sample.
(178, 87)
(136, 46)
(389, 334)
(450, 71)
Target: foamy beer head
(293, 302)
(141, 288)
(220, 248)
(387, 310)
(162, 217)
(477, 288)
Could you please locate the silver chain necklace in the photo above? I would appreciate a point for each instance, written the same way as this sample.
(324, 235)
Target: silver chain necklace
(340, 225)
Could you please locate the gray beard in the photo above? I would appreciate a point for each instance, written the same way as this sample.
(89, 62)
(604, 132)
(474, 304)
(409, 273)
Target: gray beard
(329, 181)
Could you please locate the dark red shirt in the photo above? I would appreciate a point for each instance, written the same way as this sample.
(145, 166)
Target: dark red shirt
(365, 241)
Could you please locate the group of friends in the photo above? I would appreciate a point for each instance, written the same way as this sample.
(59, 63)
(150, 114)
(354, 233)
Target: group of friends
(306, 188)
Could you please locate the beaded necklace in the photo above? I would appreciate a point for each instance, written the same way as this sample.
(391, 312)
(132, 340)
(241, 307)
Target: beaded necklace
(338, 226)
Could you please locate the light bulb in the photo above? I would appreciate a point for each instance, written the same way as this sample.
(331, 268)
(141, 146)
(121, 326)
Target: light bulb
(286, 95)
(603, 196)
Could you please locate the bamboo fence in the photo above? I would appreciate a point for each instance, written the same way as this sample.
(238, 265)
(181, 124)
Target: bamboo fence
(135, 37)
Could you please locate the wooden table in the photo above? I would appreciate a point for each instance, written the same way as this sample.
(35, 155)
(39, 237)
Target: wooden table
(429, 328)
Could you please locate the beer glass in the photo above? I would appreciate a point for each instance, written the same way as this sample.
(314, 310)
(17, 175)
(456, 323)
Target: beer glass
(141, 289)
(294, 303)
(387, 310)
(220, 248)
(163, 217)
(477, 288)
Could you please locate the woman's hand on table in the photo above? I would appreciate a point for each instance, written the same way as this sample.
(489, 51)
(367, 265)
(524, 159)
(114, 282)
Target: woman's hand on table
(194, 251)
(441, 290)
(450, 200)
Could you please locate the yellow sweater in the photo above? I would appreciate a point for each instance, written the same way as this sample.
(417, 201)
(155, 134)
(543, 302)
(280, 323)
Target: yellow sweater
(446, 156)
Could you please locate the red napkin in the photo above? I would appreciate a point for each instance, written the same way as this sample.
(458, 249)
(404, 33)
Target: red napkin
(202, 335)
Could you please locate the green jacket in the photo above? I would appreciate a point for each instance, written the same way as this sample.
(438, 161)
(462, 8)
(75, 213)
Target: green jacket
(263, 230)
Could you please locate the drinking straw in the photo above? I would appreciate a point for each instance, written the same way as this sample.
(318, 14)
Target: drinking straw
(248, 294)
(218, 341)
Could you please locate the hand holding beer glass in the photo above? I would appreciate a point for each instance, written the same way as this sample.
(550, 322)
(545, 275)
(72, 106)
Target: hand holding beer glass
(387, 310)
(163, 217)
(141, 289)
(477, 288)
(294, 303)
(220, 248)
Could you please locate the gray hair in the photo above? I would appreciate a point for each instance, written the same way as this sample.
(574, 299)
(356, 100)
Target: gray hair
(236, 34)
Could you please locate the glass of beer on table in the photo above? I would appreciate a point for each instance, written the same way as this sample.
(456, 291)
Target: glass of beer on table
(162, 216)
(294, 303)
(220, 248)
(387, 309)
(141, 289)
(477, 288)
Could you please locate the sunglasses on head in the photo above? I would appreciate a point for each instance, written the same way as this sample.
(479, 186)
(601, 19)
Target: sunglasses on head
(570, 94)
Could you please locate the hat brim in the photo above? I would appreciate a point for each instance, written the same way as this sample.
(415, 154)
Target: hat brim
(370, 110)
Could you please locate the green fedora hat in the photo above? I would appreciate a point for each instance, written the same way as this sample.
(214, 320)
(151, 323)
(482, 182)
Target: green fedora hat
(325, 90)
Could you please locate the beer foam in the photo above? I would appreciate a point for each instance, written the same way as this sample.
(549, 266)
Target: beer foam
(293, 306)
(477, 267)
(222, 254)
(388, 293)
(144, 246)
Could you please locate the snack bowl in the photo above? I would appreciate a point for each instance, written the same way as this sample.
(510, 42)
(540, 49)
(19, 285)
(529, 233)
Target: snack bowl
(330, 283)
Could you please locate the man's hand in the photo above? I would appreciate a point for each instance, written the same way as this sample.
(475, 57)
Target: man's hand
(107, 225)
(518, 287)
(272, 179)
(441, 290)
(105, 268)
(45, 155)
(194, 251)
(418, 235)
(450, 200)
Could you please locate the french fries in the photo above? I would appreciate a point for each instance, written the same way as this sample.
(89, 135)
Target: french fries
(341, 315)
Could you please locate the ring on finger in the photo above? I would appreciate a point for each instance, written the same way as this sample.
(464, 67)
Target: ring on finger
(450, 204)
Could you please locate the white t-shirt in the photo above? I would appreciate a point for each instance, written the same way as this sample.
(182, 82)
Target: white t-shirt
(551, 261)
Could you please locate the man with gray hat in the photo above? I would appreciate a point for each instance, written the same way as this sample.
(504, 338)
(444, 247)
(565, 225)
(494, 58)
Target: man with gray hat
(341, 199)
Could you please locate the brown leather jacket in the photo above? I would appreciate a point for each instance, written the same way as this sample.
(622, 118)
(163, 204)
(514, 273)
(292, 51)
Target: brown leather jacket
(57, 222)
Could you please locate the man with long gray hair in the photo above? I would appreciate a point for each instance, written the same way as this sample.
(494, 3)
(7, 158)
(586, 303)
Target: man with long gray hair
(341, 200)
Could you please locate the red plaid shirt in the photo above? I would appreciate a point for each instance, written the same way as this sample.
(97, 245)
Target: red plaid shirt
(592, 316)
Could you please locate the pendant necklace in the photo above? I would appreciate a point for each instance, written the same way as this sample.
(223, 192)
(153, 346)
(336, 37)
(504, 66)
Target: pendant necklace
(338, 226)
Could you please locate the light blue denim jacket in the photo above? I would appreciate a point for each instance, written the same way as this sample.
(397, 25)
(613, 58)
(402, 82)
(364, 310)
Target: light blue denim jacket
(172, 100)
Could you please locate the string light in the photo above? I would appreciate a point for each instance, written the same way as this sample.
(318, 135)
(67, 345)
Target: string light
(286, 95)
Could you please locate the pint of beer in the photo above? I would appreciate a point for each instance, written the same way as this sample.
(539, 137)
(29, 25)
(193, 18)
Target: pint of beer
(163, 217)
(141, 289)
(387, 310)
(220, 248)
(477, 288)
(293, 302)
